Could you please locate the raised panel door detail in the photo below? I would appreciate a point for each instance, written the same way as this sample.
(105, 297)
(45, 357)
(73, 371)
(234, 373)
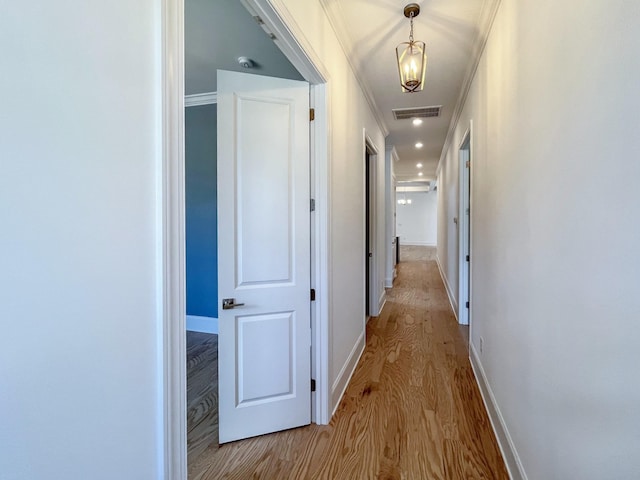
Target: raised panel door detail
(264, 215)
(265, 358)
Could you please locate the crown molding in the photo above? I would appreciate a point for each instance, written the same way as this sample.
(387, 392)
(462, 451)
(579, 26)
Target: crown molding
(334, 14)
(198, 99)
(487, 16)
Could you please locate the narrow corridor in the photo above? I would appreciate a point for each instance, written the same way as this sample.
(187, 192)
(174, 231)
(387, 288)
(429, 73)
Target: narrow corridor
(411, 411)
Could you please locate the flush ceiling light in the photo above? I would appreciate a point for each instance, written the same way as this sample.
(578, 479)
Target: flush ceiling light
(419, 165)
(417, 121)
(420, 174)
(419, 145)
(412, 56)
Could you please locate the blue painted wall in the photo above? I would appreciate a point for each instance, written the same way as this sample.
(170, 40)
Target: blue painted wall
(201, 210)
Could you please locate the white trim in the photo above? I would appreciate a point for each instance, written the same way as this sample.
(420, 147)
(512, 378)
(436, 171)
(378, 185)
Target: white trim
(197, 99)
(374, 272)
(171, 256)
(464, 228)
(487, 16)
(341, 32)
(411, 243)
(452, 301)
(202, 324)
(390, 219)
(346, 372)
(320, 254)
(290, 38)
(294, 45)
(505, 442)
(381, 302)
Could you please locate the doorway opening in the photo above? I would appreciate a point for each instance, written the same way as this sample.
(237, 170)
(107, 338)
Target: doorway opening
(464, 231)
(172, 259)
(367, 230)
(372, 307)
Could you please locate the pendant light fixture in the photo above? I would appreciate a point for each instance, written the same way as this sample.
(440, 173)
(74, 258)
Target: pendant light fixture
(412, 56)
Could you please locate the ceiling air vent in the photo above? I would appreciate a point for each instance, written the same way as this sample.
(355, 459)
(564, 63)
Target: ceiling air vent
(417, 112)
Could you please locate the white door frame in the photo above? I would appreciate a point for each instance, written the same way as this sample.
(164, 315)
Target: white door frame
(390, 215)
(464, 226)
(374, 293)
(171, 213)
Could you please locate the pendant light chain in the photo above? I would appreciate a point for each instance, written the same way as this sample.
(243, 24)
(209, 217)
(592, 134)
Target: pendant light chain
(411, 31)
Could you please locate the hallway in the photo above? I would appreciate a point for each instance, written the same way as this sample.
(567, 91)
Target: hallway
(411, 411)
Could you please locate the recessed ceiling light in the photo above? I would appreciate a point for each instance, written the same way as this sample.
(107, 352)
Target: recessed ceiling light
(419, 165)
(419, 174)
(417, 121)
(419, 145)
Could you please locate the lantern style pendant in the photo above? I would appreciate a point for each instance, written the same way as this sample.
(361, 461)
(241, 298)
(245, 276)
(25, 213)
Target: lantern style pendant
(412, 56)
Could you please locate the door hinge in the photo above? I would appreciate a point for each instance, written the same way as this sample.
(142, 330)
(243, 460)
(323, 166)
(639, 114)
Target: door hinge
(468, 258)
(312, 114)
(313, 204)
(313, 294)
(467, 304)
(468, 164)
(313, 385)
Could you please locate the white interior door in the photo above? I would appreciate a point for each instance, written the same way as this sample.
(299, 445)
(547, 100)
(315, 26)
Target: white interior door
(263, 255)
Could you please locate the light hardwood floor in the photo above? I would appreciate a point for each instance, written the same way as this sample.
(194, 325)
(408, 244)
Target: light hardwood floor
(411, 411)
(202, 393)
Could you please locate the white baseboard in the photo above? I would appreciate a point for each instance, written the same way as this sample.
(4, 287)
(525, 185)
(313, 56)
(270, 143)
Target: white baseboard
(509, 453)
(202, 324)
(389, 281)
(340, 385)
(452, 300)
(381, 301)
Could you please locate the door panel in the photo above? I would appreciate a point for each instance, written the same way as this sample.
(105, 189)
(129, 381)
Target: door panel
(259, 381)
(263, 254)
(264, 160)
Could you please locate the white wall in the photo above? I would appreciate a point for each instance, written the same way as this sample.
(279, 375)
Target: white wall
(78, 348)
(416, 222)
(555, 257)
(350, 114)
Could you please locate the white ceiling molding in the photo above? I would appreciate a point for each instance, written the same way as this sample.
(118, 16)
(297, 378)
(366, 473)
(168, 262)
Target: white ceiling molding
(336, 18)
(198, 99)
(487, 16)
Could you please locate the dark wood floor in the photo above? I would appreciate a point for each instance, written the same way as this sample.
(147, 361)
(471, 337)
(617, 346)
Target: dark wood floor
(411, 411)
(202, 393)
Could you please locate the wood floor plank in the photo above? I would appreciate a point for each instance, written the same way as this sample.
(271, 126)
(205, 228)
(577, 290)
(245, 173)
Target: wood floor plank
(412, 409)
(202, 398)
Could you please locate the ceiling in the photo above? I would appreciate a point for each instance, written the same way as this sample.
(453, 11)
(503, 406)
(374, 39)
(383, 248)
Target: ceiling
(369, 31)
(217, 32)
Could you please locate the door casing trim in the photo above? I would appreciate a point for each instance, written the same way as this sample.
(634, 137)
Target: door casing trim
(465, 237)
